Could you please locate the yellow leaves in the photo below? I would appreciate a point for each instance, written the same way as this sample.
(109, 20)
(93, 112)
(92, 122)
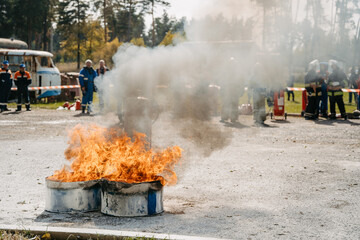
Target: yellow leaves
(91, 41)
(170, 38)
(138, 42)
(107, 51)
(46, 236)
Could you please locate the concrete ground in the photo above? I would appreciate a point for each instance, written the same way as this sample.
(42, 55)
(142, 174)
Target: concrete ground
(293, 180)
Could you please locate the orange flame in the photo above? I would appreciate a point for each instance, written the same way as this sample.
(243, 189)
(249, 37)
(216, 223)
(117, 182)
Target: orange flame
(99, 153)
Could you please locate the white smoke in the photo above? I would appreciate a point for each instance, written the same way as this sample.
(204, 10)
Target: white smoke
(215, 54)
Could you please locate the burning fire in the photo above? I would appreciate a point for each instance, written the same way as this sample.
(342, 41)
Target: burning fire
(99, 153)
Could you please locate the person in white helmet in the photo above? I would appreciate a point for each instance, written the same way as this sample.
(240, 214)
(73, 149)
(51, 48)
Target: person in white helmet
(337, 81)
(86, 78)
(313, 83)
(101, 71)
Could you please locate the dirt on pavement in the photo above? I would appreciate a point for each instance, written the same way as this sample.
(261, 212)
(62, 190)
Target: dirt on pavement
(292, 180)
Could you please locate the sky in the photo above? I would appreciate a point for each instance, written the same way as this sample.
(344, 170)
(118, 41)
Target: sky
(241, 8)
(232, 8)
(199, 8)
(184, 8)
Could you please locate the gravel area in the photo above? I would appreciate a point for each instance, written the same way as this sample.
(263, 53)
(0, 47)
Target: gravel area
(292, 180)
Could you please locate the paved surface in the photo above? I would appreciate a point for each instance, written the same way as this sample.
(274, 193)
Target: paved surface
(293, 180)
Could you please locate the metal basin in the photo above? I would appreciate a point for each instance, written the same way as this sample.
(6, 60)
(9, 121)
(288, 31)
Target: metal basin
(131, 200)
(63, 197)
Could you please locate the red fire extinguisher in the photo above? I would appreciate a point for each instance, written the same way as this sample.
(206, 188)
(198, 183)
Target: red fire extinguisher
(279, 106)
(78, 105)
(304, 102)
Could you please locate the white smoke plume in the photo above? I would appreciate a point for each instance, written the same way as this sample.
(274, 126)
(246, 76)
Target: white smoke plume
(214, 55)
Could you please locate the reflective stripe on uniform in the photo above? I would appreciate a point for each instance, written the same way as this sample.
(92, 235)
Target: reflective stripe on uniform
(335, 94)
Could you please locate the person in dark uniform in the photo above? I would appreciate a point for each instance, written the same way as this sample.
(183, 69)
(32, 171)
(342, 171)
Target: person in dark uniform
(22, 80)
(324, 75)
(101, 71)
(259, 95)
(337, 81)
(313, 88)
(5, 85)
(86, 77)
(291, 85)
(231, 91)
(354, 77)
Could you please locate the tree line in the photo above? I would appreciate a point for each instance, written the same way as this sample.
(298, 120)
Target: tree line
(78, 29)
(304, 30)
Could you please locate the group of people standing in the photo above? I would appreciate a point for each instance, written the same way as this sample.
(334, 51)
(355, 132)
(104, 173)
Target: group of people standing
(322, 85)
(259, 83)
(87, 78)
(22, 80)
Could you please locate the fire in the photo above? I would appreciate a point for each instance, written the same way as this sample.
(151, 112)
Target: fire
(99, 153)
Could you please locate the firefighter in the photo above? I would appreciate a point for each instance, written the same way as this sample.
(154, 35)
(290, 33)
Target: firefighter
(324, 75)
(354, 77)
(290, 84)
(313, 88)
(22, 80)
(337, 81)
(5, 86)
(259, 95)
(101, 71)
(231, 91)
(86, 77)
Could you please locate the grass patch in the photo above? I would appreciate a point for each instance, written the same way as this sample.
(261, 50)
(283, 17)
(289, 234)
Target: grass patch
(296, 107)
(290, 106)
(51, 106)
(27, 235)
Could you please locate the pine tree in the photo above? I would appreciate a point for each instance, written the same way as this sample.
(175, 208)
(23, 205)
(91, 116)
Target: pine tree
(6, 18)
(72, 16)
(151, 6)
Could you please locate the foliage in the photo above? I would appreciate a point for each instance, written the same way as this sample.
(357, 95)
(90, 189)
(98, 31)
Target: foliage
(150, 5)
(138, 42)
(72, 22)
(28, 20)
(107, 52)
(164, 25)
(80, 29)
(170, 39)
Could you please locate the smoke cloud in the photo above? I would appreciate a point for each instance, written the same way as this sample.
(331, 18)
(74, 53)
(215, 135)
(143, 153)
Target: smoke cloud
(218, 53)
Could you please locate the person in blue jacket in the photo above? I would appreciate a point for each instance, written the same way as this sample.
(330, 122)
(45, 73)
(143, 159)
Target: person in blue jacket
(86, 78)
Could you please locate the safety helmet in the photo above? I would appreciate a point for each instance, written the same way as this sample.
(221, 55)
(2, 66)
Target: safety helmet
(88, 61)
(6, 62)
(314, 64)
(22, 65)
(333, 62)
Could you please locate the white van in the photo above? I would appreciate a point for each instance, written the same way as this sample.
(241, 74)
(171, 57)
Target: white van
(43, 71)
